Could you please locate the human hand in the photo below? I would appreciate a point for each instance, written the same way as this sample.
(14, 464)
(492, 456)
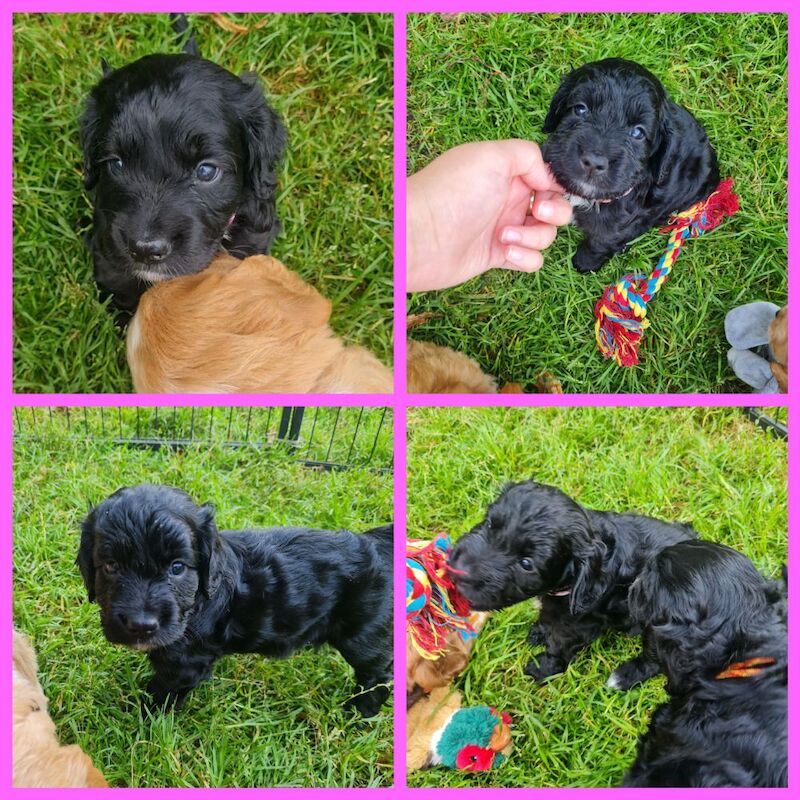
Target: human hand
(468, 212)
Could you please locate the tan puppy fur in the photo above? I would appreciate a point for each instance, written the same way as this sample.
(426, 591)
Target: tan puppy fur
(779, 344)
(250, 326)
(39, 760)
(433, 369)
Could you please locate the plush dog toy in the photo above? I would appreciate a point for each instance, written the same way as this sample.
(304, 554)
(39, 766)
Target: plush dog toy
(440, 633)
(757, 333)
(440, 732)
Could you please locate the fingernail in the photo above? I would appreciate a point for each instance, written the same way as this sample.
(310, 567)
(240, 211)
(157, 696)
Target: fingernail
(513, 254)
(510, 236)
(545, 210)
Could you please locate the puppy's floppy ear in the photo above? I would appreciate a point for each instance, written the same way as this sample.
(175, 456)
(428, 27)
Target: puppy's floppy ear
(85, 559)
(558, 103)
(589, 583)
(265, 141)
(205, 530)
(665, 150)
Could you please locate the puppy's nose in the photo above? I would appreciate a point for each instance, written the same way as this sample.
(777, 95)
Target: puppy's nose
(150, 250)
(594, 163)
(139, 624)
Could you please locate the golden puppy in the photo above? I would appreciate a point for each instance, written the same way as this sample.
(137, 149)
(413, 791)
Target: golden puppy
(250, 326)
(433, 369)
(39, 760)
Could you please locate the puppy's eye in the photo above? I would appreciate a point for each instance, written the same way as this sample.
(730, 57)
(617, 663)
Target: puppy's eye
(637, 132)
(526, 564)
(110, 567)
(177, 568)
(206, 172)
(115, 165)
(580, 109)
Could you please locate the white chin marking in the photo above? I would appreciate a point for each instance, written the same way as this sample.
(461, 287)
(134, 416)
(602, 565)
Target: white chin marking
(537, 604)
(151, 276)
(613, 681)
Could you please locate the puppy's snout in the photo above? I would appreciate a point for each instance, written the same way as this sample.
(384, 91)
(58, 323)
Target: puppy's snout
(594, 163)
(150, 251)
(142, 624)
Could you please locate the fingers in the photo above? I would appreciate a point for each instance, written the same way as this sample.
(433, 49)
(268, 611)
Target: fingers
(526, 161)
(519, 258)
(535, 236)
(551, 207)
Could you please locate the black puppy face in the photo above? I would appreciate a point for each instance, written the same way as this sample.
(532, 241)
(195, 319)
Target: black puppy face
(144, 556)
(181, 154)
(526, 546)
(605, 126)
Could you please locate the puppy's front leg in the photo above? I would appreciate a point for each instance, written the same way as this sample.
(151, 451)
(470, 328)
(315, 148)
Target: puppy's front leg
(562, 634)
(637, 670)
(176, 674)
(590, 256)
(373, 673)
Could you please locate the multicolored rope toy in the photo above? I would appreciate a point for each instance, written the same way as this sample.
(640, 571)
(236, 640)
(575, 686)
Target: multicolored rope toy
(433, 604)
(622, 309)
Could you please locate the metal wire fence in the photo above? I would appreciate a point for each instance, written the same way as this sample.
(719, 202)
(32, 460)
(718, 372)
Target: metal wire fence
(327, 438)
(775, 420)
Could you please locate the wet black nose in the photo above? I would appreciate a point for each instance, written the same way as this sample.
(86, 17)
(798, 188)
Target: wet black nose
(594, 163)
(139, 624)
(150, 251)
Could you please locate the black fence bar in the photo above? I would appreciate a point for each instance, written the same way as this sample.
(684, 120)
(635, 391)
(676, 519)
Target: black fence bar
(774, 420)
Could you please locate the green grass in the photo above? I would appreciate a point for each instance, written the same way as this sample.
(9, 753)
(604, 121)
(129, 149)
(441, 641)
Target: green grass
(477, 77)
(711, 467)
(329, 76)
(257, 722)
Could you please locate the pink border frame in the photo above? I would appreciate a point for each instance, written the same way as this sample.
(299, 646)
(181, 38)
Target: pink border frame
(400, 401)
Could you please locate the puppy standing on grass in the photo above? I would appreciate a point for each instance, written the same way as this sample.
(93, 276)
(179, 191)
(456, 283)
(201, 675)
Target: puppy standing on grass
(718, 631)
(170, 584)
(537, 542)
(626, 153)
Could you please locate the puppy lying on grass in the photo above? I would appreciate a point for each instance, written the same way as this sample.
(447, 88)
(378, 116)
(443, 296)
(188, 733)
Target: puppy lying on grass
(39, 760)
(718, 632)
(250, 327)
(170, 584)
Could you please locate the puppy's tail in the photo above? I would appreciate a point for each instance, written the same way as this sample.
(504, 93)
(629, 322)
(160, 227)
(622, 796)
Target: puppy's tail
(180, 24)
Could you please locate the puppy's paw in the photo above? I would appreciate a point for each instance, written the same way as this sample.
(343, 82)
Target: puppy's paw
(586, 260)
(543, 669)
(162, 698)
(367, 704)
(536, 635)
(627, 675)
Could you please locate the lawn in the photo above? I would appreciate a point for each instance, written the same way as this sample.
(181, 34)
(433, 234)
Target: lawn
(328, 75)
(711, 467)
(257, 722)
(476, 77)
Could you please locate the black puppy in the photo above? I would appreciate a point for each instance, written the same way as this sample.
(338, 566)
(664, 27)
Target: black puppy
(182, 156)
(718, 631)
(626, 153)
(537, 542)
(170, 584)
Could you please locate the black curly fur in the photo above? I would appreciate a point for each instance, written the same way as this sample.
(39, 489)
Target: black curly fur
(535, 541)
(172, 585)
